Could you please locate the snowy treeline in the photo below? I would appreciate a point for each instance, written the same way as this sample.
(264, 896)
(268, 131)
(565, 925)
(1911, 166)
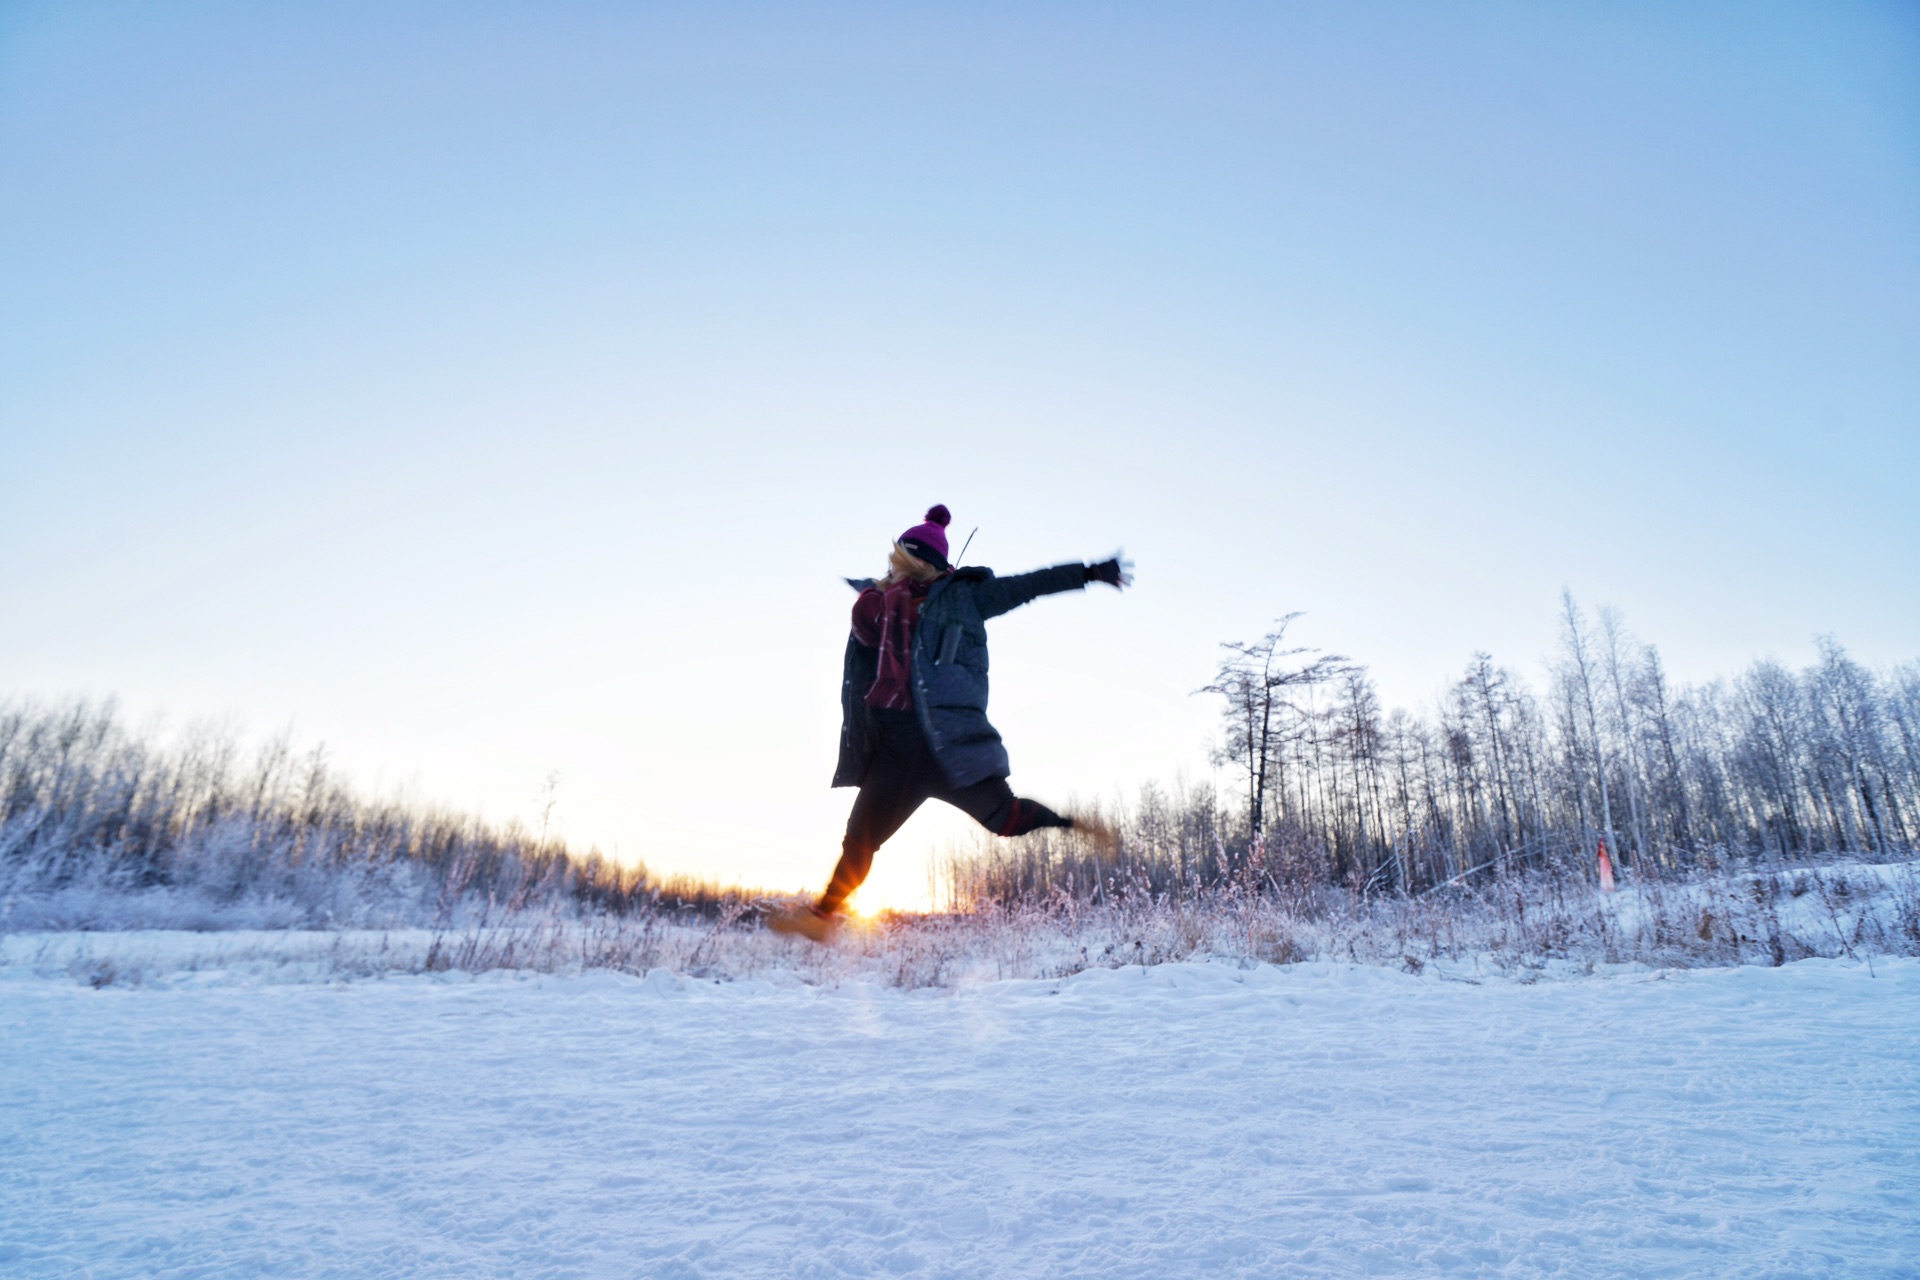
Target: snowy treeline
(1499, 775)
(94, 817)
(104, 829)
(1497, 795)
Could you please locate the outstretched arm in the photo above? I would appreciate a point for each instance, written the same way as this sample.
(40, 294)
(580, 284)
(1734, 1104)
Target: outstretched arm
(998, 595)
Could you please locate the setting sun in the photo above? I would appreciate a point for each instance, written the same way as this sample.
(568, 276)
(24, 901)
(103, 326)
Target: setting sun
(876, 897)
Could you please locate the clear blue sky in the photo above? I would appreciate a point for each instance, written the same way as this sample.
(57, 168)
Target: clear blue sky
(488, 390)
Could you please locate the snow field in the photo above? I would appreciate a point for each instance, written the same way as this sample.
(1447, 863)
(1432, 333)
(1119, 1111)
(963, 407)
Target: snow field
(1180, 1120)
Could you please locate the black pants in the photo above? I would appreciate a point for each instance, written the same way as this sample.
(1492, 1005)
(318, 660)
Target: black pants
(902, 776)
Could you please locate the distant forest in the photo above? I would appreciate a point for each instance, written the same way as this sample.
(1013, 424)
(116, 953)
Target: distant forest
(92, 814)
(1501, 777)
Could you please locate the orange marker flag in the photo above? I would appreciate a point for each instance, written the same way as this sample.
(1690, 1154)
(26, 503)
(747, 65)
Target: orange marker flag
(1606, 868)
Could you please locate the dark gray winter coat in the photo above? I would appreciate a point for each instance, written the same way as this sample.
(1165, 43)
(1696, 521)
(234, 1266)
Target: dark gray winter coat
(949, 673)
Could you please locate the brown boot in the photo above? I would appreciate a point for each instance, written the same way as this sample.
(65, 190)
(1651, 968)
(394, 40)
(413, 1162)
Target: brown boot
(804, 921)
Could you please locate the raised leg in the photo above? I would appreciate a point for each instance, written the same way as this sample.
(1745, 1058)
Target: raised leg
(991, 803)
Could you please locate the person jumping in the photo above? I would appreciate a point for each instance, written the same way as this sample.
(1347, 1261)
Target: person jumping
(913, 702)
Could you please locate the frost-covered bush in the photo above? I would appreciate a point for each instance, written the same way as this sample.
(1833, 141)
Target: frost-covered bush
(1521, 928)
(101, 827)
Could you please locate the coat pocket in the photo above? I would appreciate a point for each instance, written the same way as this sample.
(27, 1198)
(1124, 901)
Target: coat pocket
(949, 644)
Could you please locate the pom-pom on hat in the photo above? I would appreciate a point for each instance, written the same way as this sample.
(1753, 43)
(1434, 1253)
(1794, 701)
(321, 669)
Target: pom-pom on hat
(929, 541)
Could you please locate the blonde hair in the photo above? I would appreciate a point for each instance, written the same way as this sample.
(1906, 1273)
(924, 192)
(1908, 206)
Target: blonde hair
(903, 564)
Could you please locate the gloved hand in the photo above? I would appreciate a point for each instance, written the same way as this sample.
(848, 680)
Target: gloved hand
(1115, 572)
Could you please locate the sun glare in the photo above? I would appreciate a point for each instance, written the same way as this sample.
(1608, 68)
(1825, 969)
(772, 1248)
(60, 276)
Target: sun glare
(872, 900)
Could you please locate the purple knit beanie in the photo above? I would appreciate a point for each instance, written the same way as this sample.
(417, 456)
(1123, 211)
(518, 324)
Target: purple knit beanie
(929, 541)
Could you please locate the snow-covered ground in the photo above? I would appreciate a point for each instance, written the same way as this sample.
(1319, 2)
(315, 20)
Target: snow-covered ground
(1181, 1120)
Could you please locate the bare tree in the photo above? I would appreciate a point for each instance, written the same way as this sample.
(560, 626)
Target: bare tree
(1259, 682)
(1671, 794)
(1770, 751)
(1613, 639)
(1578, 669)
